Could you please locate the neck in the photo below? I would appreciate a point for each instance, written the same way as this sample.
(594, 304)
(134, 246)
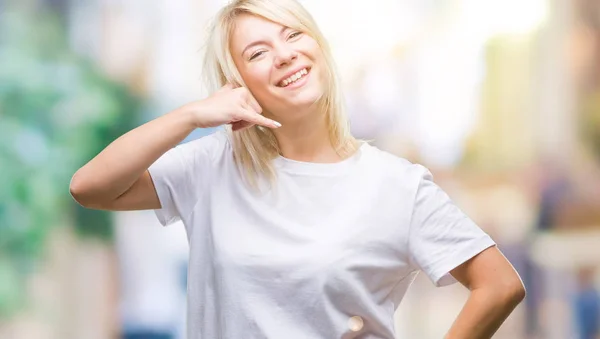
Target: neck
(306, 139)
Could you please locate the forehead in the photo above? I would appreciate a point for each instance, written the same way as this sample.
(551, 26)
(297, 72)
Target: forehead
(250, 28)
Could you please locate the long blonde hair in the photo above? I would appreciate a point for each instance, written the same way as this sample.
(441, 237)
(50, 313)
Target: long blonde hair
(254, 148)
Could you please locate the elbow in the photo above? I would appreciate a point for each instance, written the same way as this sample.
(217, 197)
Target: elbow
(504, 294)
(76, 189)
(519, 293)
(513, 293)
(80, 192)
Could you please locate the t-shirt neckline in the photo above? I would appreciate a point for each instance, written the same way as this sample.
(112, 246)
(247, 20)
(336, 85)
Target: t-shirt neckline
(319, 168)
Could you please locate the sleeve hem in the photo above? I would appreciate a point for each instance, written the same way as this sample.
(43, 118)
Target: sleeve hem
(424, 172)
(441, 274)
(162, 191)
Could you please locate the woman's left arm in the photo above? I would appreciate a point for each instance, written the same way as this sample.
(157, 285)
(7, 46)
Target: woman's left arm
(496, 289)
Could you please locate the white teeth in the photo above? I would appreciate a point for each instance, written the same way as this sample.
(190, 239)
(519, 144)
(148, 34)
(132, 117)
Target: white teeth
(294, 77)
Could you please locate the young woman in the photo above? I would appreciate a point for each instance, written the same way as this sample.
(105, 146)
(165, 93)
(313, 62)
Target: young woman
(296, 229)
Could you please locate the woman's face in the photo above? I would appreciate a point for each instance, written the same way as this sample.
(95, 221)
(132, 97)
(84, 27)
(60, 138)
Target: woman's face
(282, 67)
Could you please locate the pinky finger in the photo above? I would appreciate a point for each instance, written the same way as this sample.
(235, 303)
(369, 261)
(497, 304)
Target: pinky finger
(257, 119)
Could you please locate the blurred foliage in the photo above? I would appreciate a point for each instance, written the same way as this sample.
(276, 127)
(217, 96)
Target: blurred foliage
(56, 112)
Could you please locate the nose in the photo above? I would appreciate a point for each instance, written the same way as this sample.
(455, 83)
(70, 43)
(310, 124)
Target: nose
(284, 56)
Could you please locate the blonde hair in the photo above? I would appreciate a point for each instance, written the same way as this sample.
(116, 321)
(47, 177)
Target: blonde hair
(254, 148)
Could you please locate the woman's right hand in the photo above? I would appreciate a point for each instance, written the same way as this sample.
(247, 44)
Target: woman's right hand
(229, 105)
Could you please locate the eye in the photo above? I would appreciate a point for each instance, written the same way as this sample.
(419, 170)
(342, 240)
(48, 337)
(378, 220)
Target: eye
(294, 34)
(256, 55)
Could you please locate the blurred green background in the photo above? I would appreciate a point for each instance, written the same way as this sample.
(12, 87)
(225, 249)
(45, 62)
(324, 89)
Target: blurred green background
(58, 110)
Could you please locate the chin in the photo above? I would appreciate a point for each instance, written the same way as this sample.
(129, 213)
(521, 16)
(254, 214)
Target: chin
(307, 98)
(303, 97)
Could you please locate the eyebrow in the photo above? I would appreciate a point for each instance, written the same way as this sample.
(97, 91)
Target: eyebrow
(260, 42)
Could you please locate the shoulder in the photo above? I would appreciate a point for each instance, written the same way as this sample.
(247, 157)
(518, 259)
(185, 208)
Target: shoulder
(210, 146)
(390, 165)
(213, 140)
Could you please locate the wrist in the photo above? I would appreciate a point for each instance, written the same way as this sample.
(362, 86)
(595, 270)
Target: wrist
(189, 115)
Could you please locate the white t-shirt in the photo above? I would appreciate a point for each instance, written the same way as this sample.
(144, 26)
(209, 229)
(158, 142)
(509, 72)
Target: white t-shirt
(328, 253)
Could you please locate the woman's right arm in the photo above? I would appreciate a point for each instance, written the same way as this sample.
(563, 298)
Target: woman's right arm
(118, 178)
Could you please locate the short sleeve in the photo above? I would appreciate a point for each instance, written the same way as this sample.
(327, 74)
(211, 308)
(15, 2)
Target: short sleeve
(441, 236)
(181, 176)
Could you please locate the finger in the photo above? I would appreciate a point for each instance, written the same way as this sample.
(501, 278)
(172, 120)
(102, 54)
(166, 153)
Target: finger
(253, 103)
(251, 107)
(257, 119)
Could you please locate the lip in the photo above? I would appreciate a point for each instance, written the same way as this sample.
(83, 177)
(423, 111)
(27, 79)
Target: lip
(289, 74)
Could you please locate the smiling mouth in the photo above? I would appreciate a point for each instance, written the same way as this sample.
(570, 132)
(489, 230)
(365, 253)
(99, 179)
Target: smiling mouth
(295, 77)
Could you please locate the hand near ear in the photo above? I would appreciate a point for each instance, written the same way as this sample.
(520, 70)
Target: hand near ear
(229, 105)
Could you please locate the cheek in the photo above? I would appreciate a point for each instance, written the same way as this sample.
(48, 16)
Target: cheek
(312, 48)
(257, 81)
(314, 52)
(257, 76)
